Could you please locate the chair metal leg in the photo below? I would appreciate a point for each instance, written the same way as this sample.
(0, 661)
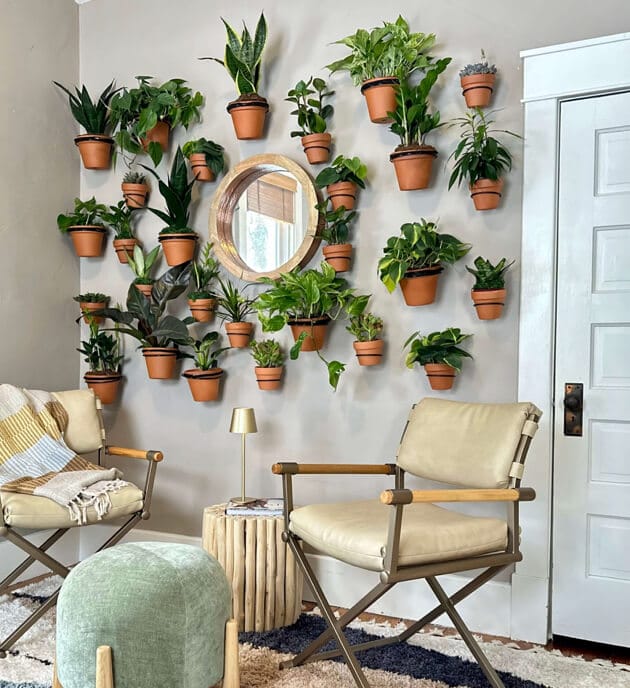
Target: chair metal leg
(8, 642)
(37, 553)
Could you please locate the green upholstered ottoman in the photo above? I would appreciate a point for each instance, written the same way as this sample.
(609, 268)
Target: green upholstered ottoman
(162, 608)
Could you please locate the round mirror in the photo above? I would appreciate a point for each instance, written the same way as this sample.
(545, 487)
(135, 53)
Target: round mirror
(263, 219)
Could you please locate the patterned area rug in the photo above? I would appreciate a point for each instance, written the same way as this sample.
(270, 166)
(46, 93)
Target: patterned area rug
(426, 661)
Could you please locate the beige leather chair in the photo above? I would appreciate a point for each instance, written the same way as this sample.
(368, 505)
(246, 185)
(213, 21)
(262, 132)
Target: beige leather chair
(478, 448)
(84, 434)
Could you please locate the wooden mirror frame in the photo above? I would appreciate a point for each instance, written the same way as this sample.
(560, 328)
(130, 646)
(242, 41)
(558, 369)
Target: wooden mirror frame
(227, 196)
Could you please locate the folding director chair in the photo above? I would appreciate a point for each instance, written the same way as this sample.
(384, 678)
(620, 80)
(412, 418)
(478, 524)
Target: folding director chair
(481, 449)
(84, 434)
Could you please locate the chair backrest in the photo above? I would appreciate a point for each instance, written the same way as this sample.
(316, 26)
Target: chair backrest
(470, 445)
(83, 432)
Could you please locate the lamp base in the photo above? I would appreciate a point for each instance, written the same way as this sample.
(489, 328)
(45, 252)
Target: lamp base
(242, 500)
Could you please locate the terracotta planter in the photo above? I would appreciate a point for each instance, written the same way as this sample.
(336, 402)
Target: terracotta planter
(413, 166)
(488, 302)
(88, 307)
(87, 240)
(124, 247)
(269, 378)
(441, 376)
(178, 248)
(342, 194)
(317, 147)
(315, 329)
(135, 195)
(239, 334)
(338, 256)
(105, 385)
(380, 96)
(145, 289)
(248, 116)
(486, 193)
(160, 361)
(369, 353)
(202, 310)
(204, 384)
(200, 169)
(419, 286)
(160, 133)
(95, 150)
(477, 89)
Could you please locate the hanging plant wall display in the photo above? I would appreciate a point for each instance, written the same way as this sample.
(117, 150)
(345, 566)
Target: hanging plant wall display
(202, 300)
(269, 358)
(206, 159)
(135, 189)
(312, 114)
(341, 180)
(141, 265)
(477, 80)
(205, 378)
(440, 355)
(233, 308)
(488, 293)
(367, 328)
(85, 225)
(335, 231)
(91, 303)
(103, 356)
(120, 218)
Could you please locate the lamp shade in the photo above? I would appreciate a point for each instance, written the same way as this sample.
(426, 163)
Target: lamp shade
(243, 420)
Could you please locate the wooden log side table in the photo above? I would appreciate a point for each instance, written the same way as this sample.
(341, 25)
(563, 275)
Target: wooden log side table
(266, 582)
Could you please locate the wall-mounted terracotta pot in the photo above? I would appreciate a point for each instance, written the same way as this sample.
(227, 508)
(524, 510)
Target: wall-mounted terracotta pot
(124, 247)
(200, 169)
(488, 302)
(160, 361)
(369, 353)
(178, 247)
(204, 384)
(87, 240)
(317, 147)
(146, 289)
(202, 310)
(239, 333)
(338, 256)
(95, 150)
(248, 116)
(413, 165)
(105, 385)
(420, 286)
(89, 307)
(441, 376)
(342, 194)
(269, 378)
(380, 96)
(135, 195)
(477, 89)
(160, 133)
(315, 329)
(486, 193)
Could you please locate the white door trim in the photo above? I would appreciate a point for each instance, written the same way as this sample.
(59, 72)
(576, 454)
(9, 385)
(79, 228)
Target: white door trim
(550, 75)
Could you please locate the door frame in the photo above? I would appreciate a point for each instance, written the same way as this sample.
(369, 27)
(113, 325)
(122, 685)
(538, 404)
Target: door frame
(550, 76)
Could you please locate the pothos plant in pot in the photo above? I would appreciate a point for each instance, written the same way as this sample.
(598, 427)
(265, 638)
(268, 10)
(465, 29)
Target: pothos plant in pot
(269, 358)
(477, 80)
(415, 260)
(312, 114)
(342, 180)
(334, 231)
(242, 60)
(159, 334)
(141, 265)
(103, 356)
(480, 159)
(233, 308)
(367, 328)
(440, 355)
(412, 122)
(135, 189)
(205, 378)
(206, 159)
(488, 292)
(91, 303)
(95, 145)
(120, 218)
(202, 300)
(85, 225)
(379, 59)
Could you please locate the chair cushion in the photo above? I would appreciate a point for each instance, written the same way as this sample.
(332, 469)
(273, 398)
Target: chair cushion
(83, 432)
(356, 532)
(32, 511)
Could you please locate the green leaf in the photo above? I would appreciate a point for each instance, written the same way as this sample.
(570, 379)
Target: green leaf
(335, 368)
(154, 149)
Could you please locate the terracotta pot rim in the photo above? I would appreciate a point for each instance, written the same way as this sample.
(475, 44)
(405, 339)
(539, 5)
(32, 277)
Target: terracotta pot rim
(336, 248)
(311, 137)
(338, 185)
(418, 151)
(280, 367)
(87, 228)
(485, 182)
(199, 374)
(486, 291)
(423, 272)
(175, 235)
(120, 242)
(127, 185)
(159, 351)
(440, 367)
(257, 102)
(240, 325)
(100, 138)
(203, 301)
(379, 81)
(323, 320)
(102, 377)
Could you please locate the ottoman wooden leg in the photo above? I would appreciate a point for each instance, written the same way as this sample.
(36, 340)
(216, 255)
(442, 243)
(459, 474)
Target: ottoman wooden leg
(55, 681)
(231, 673)
(104, 669)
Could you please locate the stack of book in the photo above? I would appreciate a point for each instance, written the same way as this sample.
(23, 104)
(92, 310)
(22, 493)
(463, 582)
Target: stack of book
(260, 507)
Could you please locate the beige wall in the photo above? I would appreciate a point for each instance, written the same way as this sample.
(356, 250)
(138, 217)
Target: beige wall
(39, 42)
(363, 420)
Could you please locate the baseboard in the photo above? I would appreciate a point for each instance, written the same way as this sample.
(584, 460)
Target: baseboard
(530, 609)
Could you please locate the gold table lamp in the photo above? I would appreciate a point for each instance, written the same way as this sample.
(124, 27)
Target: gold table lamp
(243, 422)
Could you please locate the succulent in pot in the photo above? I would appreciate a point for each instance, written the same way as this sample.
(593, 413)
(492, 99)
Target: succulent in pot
(334, 231)
(412, 122)
(141, 264)
(380, 59)
(414, 260)
(367, 328)
(269, 358)
(202, 300)
(103, 355)
(95, 145)
(205, 378)
(440, 355)
(146, 114)
(91, 303)
(488, 292)
(120, 218)
(85, 226)
(312, 114)
(242, 60)
(135, 189)
(341, 180)
(233, 308)
(477, 80)
(205, 157)
(481, 160)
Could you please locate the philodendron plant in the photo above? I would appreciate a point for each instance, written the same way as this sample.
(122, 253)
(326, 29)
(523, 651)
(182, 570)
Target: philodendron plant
(310, 110)
(205, 351)
(85, 214)
(440, 355)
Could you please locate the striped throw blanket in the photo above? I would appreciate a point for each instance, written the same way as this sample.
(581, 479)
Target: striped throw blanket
(34, 459)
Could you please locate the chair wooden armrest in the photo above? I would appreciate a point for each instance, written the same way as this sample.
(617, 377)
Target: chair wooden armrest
(511, 494)
(146, 454)
(292, 468)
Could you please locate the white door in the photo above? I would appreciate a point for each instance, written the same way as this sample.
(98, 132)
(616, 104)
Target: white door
(591, 524)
